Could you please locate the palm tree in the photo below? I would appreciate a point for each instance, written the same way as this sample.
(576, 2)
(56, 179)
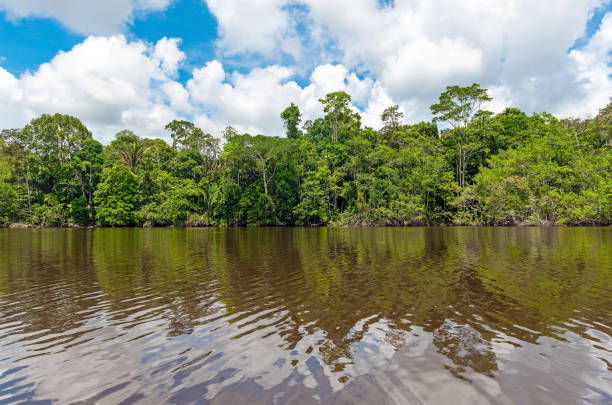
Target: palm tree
(129, 147)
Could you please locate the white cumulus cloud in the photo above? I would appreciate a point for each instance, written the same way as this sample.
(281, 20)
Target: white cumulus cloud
(253, 102)
(250, 26)
(82, 16)
(414, 48)
(404, 53)
(107, 82)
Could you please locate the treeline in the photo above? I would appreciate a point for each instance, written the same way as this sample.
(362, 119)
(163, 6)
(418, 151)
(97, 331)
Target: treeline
(481, 168)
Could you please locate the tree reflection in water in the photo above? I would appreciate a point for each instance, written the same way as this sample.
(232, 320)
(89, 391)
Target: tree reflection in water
(303, 313)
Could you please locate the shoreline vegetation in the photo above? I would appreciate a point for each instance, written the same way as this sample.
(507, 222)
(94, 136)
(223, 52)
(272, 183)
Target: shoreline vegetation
(330, 225)
(467, 166)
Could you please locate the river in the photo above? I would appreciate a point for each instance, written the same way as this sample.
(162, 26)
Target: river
(424, 315)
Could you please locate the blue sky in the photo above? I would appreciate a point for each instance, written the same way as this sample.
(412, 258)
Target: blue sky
(222, 62)
(30, 41)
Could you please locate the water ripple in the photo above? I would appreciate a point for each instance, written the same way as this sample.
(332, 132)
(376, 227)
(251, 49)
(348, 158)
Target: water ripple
(424, 315)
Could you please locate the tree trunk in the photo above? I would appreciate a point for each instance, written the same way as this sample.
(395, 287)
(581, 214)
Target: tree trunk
(264, 179)
(461, 166)
(457, 176)
(29, 197)
(335, 132)
(90, 211)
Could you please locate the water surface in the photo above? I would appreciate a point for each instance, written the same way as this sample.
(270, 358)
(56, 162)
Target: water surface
(293, 315)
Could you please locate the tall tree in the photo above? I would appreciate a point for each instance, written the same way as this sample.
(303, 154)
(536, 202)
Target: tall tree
(8, 195)
(292, 117)
(229, 132)
(391, 118)
(129, 148)
(338, 114)
(458, 107)
(264, 151)
(88, 169)
(117, 198)
(56, 137)
(17, 149)
(186, 136)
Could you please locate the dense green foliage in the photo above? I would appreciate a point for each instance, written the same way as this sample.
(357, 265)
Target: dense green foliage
(482, 168)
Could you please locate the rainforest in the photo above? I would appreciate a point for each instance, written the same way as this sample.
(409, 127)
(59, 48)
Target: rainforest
(466, 166)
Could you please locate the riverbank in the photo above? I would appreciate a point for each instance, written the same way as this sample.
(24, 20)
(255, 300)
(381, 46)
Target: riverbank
(363, 224)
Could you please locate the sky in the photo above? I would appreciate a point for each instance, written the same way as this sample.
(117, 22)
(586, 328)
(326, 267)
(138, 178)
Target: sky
(138, 64)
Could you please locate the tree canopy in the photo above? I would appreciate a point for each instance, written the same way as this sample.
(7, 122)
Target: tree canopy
(476, 168)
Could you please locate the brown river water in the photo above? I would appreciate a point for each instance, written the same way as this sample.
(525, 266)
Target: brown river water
(300, 316)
